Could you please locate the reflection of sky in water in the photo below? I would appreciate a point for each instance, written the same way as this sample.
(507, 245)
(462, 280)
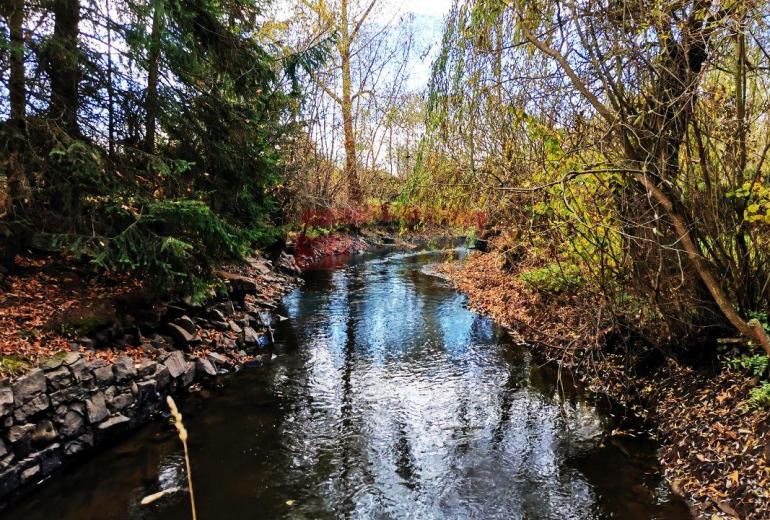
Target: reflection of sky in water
(407, 407)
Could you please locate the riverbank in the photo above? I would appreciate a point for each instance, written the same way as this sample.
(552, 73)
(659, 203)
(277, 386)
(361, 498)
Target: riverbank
(85, 358)
(715, 451)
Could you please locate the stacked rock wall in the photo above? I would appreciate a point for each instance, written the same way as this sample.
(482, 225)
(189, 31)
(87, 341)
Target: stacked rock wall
(69, 404)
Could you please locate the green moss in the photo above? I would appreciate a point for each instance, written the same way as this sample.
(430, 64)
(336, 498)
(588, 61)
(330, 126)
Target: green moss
(12, 366)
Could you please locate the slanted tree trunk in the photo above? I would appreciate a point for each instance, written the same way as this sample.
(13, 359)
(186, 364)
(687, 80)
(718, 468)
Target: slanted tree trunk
(63, 65)
(153, 67)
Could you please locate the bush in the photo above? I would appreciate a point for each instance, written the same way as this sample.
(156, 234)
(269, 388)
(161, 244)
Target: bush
(553, 278)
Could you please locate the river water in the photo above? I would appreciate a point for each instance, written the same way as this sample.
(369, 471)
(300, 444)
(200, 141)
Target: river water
(386, 398)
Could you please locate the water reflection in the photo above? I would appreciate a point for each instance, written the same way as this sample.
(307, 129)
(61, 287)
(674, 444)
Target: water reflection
(388, 399)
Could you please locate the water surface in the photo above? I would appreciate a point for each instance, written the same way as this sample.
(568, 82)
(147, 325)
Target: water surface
(387, 398)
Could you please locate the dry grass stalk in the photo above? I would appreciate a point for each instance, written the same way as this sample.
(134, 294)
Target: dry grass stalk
(183, 437)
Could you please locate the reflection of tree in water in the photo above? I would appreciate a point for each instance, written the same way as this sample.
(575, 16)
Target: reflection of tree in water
(406, 467)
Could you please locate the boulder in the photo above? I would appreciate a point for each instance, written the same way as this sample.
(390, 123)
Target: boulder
(176, 364)
(235, 327)
(71, 424)
(80, 371)
(182, 338)
(104, 376)
(52, 363)
(124, 369)
(70, 358)
(216, 315)
(145, 368)
(81, 443)
(59, 378)
(9, 481)
(187, 324)
(162, 377)
(96, 408)
(121, 401)
(146, 391)
(288, 264)
(35, 405)
(205, 367)
(114, 423)
(216, 359)
(29, 385)
(250, 336)
(65, 395)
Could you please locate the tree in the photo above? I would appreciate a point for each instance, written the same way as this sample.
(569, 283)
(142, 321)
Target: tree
(64, 64)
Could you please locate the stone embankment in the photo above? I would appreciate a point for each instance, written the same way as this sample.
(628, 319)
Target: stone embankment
(76, 400)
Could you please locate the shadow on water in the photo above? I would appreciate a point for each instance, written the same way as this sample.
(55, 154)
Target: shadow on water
(387, 398)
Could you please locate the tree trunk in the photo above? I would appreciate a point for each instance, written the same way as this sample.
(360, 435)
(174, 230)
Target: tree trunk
(63, 65)
(153, 67)
(351, 162)
(16, 85)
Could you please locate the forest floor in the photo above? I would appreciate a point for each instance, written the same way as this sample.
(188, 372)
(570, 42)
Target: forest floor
(51, 304)
(715, 450)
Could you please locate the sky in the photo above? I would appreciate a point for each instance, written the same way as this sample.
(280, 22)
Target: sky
(429, 23)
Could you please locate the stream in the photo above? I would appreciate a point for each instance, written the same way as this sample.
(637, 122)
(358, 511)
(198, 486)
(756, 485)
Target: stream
(386, 398)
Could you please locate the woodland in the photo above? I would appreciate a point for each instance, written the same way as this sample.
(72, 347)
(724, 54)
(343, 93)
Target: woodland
(610, 157)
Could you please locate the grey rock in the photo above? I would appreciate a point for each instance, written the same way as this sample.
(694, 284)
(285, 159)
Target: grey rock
(43, 433)
(96, 408)
(35, 405)
(48, 458)
(122, 401)
(215, 314)
(28, 386)
(6, 400)
(187, 324)
(3, 449)
(147, 391)
(146, 368)
(181, 336)
(176, 364)
(217, 359)
(114, 423)
(235, 327)
(80, 370)
(204, 366)
(66, 395)
(83, 442)
(52, 363)
(104, 376)
(30, 473)
(59, 378)
(162, 377)
(220, 325)
(71, 424)
(226, 308)
(71, 358)
(124, 369)
(250, 336)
